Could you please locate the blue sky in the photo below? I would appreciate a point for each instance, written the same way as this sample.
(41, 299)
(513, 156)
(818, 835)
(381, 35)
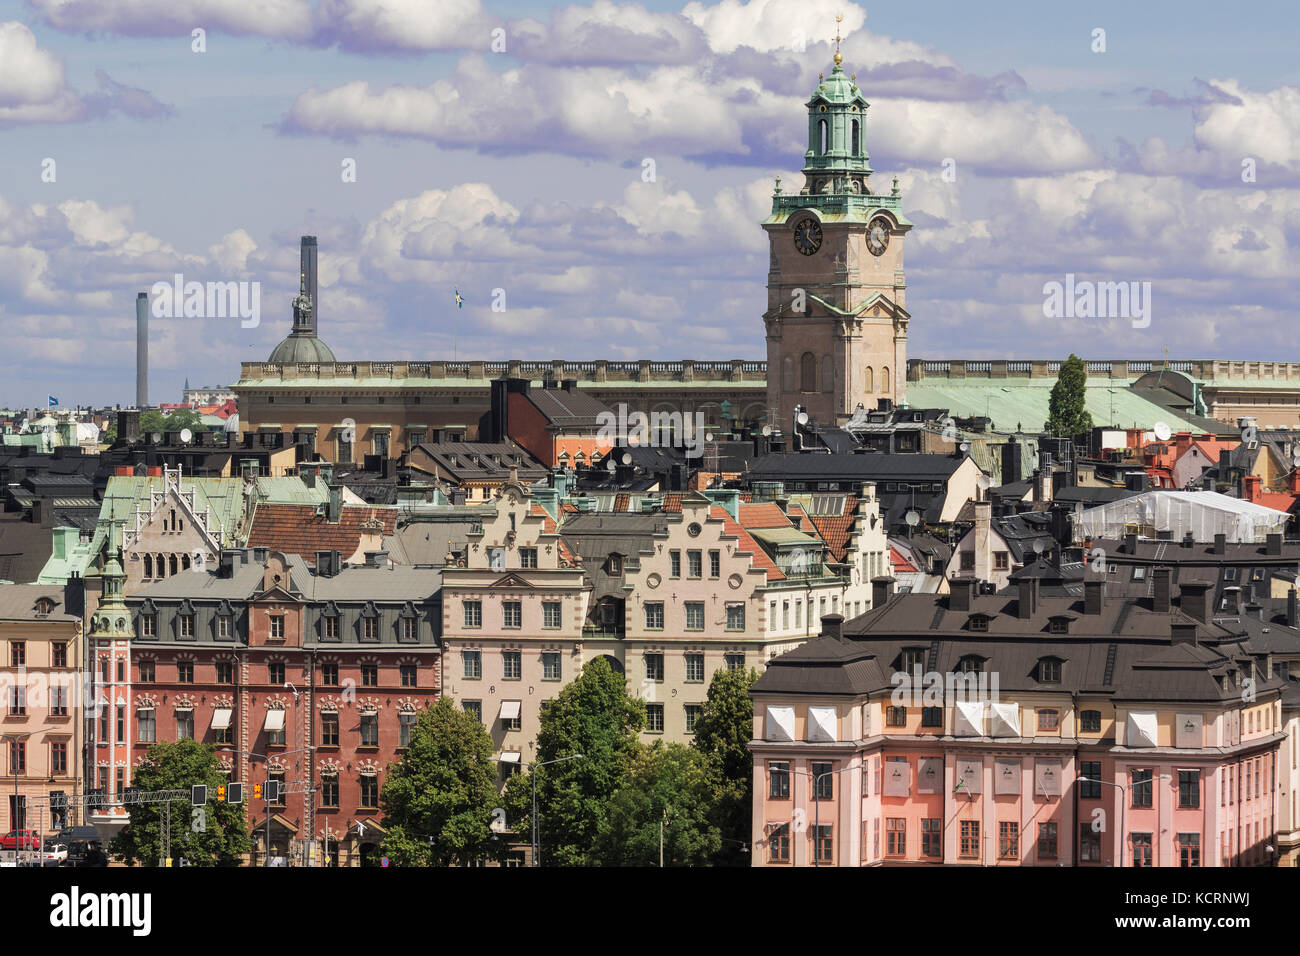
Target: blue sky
(522, 171)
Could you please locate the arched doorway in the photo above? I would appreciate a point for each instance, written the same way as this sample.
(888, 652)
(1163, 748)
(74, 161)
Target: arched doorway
(614, 663)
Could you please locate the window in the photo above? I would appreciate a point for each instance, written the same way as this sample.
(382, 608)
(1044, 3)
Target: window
(185, 672)
(1049, 671)
(694, 615)
(735, 617)
(146, 672)
(17, 756)
(370, 730)
(778, 844)
(528, 558)
(148, 625)
(1189, 849)
(58, 758)
(734, 662)
(692, 715)
(1189, 789)
(674, 564)
(1090, 721)
(823, 843)
(225, 672)
(369, 675)
(551, 613)
(778, 775)
(654, 667)
(715, 564)
(785, 615)
(187, 625)
(277, 627)
(895, 716)
(932, 836)
(1090, 789)
(471, 664)
(120, 722)
(329, 728)
(551, 665)
(615, 564)
(408, 675)
(1049, 719)
(970, 665)
(370, 792)
(1141, 849)
(329, 791)
(146, 728)
(473, 613)
(694, 564)
(968, 560)
(931, 716)
(1089, 844)
(823, 781)
(512, 614)
(654, 615)
(1008, 840)
(17, 701)
(512, 665)
(695, 667)
(895, 836)
(330, 628)
(275, 672)
(58, 700)
(474, 707)
(184, 724)
(410, 626)
(970, 839)
(370, 628)
(58, 655)
(405, 721)
(329, 675)
(1001, 561)
(1047, 841)
(654, 714)
(1140, 787)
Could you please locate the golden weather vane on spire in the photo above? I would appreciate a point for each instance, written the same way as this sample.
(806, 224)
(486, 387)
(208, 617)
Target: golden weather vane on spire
(838, 59)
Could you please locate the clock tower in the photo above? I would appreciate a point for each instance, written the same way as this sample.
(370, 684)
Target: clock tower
(836, 322)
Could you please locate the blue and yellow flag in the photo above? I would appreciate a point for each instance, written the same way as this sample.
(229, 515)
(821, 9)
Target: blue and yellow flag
(460, 300)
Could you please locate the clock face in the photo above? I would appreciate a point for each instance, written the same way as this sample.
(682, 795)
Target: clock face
(878, 237)
(808, 236)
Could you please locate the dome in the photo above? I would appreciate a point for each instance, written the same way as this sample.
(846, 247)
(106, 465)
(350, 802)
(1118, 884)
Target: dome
(301, 348)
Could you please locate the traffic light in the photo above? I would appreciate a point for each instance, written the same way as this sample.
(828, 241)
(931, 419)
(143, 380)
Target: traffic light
(257, 791)
(273, 791)
(58, 808)
(198, 795)
(235, 793)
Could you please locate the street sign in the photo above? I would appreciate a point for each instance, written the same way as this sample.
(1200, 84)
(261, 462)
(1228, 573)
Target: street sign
(383, 861)
(198, 795)
(235, 793)
(273, 791)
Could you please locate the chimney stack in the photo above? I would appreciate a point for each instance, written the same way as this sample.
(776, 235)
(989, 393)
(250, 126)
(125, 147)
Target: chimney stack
(1273, 545)
(141, 350)
(308, 268)
(1161, 590)
(1028, 604)
(1220, 544)
(1182, 632)
(1292, 609)
(960, 594)
(1093, 595)
(882, 589)
(1194, 599)
(832, 626)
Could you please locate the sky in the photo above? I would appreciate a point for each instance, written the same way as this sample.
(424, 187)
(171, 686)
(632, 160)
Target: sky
(592, 177)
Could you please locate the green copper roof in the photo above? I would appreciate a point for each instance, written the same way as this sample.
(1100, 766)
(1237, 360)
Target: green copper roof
(838, 89)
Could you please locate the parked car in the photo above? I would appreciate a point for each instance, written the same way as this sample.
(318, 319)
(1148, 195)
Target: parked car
(78, 841)
(56, 854)
(20, 840)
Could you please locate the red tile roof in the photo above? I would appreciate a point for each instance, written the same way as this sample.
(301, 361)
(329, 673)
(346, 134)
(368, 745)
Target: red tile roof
(744, 542)
(764, 515)
(835, 529)
(298, 529)
(898, 562)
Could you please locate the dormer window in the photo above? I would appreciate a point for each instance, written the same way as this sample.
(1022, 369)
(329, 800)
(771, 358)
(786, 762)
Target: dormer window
(615, 564)
(1059, 624)
(970, 664)
(912, 659)
(1049, 670)
(979, 622)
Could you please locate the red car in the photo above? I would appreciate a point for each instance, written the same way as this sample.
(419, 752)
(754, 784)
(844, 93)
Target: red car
(20, 840)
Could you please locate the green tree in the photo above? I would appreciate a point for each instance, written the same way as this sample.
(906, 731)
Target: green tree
(214, 835)
(1067, 414)
(722, 733)
(154, 421)
(439, 797)
(593, 716)
(668, 785)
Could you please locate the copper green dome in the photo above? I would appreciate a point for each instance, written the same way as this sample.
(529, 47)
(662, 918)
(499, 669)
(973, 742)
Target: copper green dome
(301, 348)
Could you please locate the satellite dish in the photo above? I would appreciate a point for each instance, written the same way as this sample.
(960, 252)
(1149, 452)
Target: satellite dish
(187, 436)
(802, 418)
(627, 459)
(767, 429)
(983, 482)
(965, 447)
(913, 518)
(156, 437)
(610, 465)
(1039, 547)
(1162, 430)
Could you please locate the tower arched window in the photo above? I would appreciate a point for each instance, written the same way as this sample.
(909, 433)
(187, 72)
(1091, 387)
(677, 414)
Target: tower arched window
(808, 372)
(869, 379)
(172, 564)
(185, 562)
(856, 146)
(884, 379)
(148, 567)
(160, 565)
(823, 136)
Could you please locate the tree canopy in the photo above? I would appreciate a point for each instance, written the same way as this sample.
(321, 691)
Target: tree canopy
(1067, 414)
(439, 797)
(722, 733)
(213, 835)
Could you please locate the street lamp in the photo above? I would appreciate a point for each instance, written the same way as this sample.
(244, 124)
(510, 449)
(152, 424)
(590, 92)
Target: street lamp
(13, 816)
(817, 804)
(1123, 834)
(267, 846)
(536, 847)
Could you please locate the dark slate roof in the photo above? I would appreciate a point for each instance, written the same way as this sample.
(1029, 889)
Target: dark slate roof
(568, 408)
(595, 536)
(464, 461)
(865, 466)
(1091, 496)
(24, 548)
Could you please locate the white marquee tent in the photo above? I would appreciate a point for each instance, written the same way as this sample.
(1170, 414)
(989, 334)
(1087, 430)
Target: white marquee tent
(1203, 513)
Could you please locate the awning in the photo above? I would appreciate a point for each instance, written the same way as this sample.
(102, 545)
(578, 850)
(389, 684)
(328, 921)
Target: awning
(221, 718)
(274, 720)
(968, 718)
(822, 724)
(1141, 730)
(780, 723)
(510, 710)
(510, 756)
